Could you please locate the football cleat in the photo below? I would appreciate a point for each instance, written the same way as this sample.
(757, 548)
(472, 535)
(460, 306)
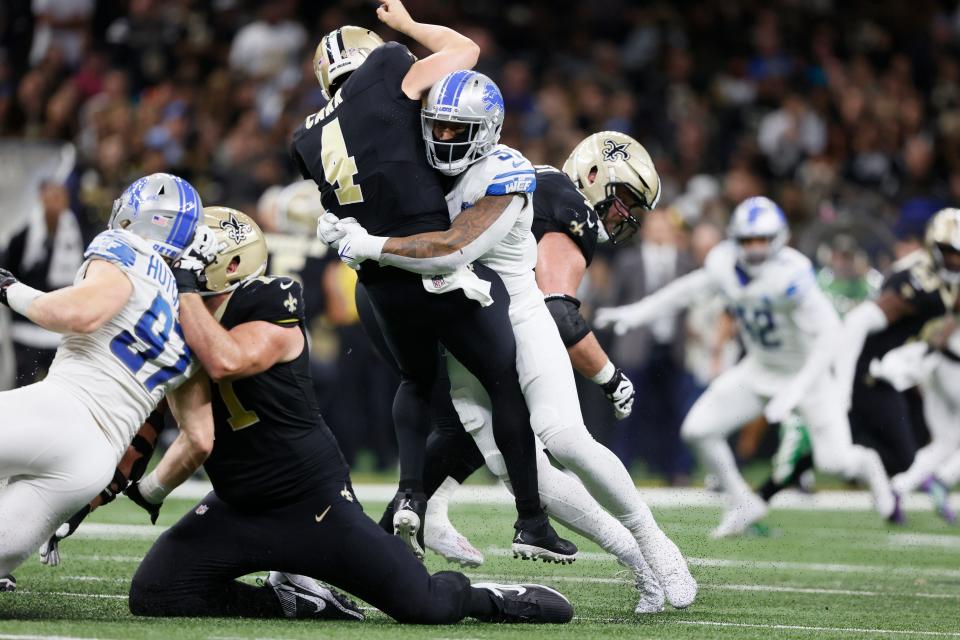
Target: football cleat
(897, 515)
(536, 538)
(303, 597)
(442, 538)
(651, 593)
(670, 568)
(749, 510)
(409, 515)
(940, 494)
(8, 583)
(527, 603)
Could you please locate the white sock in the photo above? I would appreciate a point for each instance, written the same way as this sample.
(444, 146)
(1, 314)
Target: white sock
(439, 501)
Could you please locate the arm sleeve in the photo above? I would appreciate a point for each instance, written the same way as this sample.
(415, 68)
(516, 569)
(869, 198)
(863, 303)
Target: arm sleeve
(449, 263)
(864, 319)
(672, 298)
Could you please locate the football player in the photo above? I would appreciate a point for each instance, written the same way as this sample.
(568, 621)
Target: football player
(789, 329)
(933, 365)
(462, 118)
(923, 286)
(365, 152)
(282, 496)
(122, 352)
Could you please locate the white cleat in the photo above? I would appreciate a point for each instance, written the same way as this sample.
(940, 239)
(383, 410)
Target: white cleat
(670, 568)
(651, 593)
(738, 518)
(442, 538)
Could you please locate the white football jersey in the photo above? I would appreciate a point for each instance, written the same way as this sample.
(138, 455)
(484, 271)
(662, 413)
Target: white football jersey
(769, 307)
(502, 171)
(121, 371)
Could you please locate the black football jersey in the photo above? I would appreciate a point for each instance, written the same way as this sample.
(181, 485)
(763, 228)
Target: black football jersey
(366, 152)
(559, 206)
(272, 445)
(915, 279)
(304, 259)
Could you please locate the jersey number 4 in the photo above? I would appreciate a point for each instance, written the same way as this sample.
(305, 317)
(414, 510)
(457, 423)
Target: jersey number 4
(148, 341)
(338, 167)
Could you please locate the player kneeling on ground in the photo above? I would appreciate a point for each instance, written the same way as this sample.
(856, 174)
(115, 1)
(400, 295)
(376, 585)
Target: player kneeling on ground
(282, 496)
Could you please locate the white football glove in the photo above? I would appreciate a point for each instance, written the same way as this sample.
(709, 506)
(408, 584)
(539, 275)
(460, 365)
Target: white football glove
(617, 317)
(189, 269)
(619, 390)
(357, 245)
(329, 231)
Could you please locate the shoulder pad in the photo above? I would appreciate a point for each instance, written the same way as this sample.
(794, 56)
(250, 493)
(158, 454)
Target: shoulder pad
(275, 300)
(507, 171)
(721, 258)
(798, 274)
(116, 246)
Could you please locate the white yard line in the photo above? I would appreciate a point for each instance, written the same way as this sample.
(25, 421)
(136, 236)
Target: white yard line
(771, 565)
(727, 587)
(654, 496)
(107, 596)
(797, 627)
(8, 636)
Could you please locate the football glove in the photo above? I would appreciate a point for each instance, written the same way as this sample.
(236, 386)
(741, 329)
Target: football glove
(6, 279)
(189, 270)
(133, 492)
(50, 551)
(329, 230)
(619, 390)
(358, 245)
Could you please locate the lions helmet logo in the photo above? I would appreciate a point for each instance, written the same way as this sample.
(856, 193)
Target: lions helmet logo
(613, 150)
(492, 100)
(236, 230)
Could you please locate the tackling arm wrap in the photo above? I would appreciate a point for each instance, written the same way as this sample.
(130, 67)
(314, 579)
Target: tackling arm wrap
(566, 314)
(445, 252)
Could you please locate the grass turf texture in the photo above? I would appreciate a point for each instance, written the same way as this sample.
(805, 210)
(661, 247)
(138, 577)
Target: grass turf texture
(816, 575)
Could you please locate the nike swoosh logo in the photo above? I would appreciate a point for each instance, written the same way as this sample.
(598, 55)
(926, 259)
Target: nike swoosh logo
(289, 284)
(517, 163)
(323, 515)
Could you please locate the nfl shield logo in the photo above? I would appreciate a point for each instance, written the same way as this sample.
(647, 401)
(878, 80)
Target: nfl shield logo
(202, 509)
(438, 282)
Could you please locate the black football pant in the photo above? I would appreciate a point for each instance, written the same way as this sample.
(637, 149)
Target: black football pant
(192, 569)
(880, 419)
(414, 323)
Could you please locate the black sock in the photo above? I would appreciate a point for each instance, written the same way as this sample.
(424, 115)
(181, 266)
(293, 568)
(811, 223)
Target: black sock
(771, 488)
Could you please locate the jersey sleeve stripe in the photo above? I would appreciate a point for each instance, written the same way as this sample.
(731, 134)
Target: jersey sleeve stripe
(515, 173)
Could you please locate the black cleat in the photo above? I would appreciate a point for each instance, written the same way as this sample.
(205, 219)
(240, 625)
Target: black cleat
(8, 583)
(536, 538)
(303, 597)
(529, 603)
(409, 517)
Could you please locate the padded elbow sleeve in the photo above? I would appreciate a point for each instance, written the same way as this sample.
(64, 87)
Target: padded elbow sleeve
(566, 313)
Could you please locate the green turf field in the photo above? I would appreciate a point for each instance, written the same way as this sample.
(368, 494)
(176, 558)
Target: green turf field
(816, 575)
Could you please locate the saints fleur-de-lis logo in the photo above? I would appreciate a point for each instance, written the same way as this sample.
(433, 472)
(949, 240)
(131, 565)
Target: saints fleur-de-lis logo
(236, 230)
(613, 150)
(576, 228)
(291, 303)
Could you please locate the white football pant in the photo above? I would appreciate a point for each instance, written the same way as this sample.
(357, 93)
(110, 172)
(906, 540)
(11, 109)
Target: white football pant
(57, 459)
(941, 406)
(546, 377)
(740, 394)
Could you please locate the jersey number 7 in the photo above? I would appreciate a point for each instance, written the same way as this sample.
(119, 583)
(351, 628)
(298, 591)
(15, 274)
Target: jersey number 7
(338, 167)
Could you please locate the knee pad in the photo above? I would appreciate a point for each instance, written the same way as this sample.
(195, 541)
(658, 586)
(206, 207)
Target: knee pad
(553, 430)
(471, 416)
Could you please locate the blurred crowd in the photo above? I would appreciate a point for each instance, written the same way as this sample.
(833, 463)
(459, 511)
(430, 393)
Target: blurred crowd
(846, 113)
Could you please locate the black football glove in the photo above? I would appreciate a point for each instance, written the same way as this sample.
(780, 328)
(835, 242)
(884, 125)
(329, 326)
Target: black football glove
(133, 492)
(6, 279)
(50, 551)
(619, 391)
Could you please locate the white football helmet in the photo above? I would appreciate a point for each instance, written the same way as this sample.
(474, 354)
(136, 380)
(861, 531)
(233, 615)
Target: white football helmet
(470, 99)
(758, 218)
